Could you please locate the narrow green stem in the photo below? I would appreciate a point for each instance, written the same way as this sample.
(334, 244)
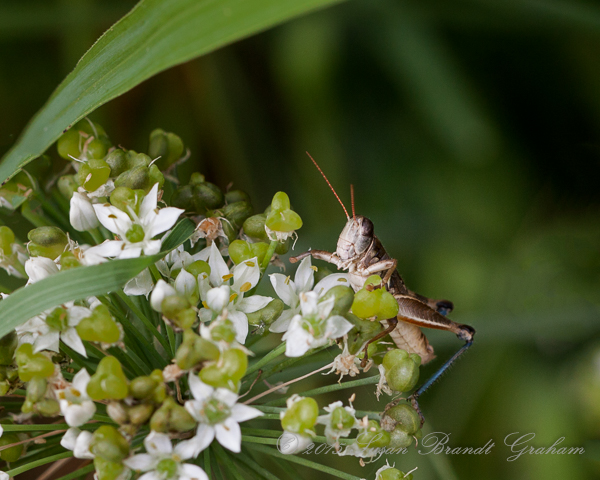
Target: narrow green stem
(43, 461)
(330, 388)
(95, 233)
(78, 473)
(246, 460)
(269, 255)
(207, 467)
(261, 440)
(302, 461)
(226, 461)
(266, 359)
(155, 273)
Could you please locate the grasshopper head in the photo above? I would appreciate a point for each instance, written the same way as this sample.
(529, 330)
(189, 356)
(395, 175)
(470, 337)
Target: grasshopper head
(356, 238)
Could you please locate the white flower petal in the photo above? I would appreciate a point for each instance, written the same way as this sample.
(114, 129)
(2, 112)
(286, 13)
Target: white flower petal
(153, 475)
(141, 462)
(109, 248)
(283, 322)
(152, 247)
(218, 298)
(113, 219)
(192, 447)
(305, 276)
(308, 303)
(130, 250)
(160, 292)
(187, 471)
(337, 326)
(199, 389)
(69, 438)
(38, 268)
(47, 341)
(158, 444)
(77, 415)
(149, 202)
(285, 289)
(253, 303)
(81, 380)
(165, 219)
(82, 445)
(77, 314)
(331, 281)
(229, 435)
(81, 213)
(241, 413)
(71, 339)
(186, 284)
(246, 274)
(218, 267)
(140, 285)
(240, 322)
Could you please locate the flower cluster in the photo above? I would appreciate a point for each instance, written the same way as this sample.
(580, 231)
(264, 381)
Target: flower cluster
(166, 376)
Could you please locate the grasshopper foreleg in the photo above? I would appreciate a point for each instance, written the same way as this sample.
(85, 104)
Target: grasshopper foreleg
(392, 322)
(319, 255)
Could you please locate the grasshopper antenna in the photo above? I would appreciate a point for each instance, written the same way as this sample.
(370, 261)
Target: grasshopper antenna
(330, 186)
(352, 200)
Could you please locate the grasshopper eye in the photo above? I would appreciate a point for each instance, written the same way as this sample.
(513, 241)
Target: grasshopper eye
(366, 227)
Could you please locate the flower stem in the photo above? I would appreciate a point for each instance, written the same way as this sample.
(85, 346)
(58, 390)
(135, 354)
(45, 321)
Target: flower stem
(269, 255)
(266, 359)
(303, 461)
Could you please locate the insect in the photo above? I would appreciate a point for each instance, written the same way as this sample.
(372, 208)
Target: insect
(360, 252)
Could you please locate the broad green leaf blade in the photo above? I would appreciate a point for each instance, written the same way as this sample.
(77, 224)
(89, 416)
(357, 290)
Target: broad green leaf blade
(154, 36)
(80, 283)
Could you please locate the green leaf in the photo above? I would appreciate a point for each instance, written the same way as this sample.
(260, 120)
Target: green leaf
(82, 282)
(154, 36)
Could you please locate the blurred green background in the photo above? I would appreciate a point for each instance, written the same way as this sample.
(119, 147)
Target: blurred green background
(471, 131)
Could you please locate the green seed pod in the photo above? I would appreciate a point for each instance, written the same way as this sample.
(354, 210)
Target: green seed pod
(109, 444)
(11, 454)
(125, 198)
(373, 437)
(321, 273)
(117, 161)
(193, 350)
(405, 417)
(142, 388)
(93, 174)
(199, 267)
(106, 470)
(47, 242)
(254, 227)
(36, 389)
(8, 346)
(233, 196)
(168, 146)
(47, 407)
(172, 305)
(237, 213)
(400, 438)
(183, 198)
(155, 176)
(223, 331)
(100, 326)
(109, 381)
(7, 238)
(135, 159)
(341, 419)
(67, 186)
(140, 414)
(230, 370)
(208, 195)
(283, 247)
(230, 231)
(393, 473)
(344, 296)
(301, 416)
(171, 417)
(404, 376)
(32, 364)
(4, 386)
(136, 178)
(240, 251)
(280, 202)
(394, 357)
(68, 261)
(197, 178)
(267, 315)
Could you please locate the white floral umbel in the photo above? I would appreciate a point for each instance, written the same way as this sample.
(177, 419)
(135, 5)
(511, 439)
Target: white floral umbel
(218, 415)
(45, 336)
(163, 462)
(289, 290)
(315, 326)
(231, 298)
(75, 404)
(150, 222)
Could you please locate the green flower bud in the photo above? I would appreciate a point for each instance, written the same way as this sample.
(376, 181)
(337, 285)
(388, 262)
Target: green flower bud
(32, 364)
(267, 315)
(108, 444)
(135, 159)
(171, 417)
(198, 268)
(240, 251)
(100, 326)
(47, 407)
(8, 345)
(36, 389)
(11, 454)
(193, 350)
(282, 218)
(301, 416)
(254, 226)
(72, 141)
(93, 174)
(228, 371)
(149, 387)
(67, 186)
(236, 213)
(406, 418)
(373, 437)
(344, 296)
(140, 414)
(168, 146)
(109, 381)
(197, 178)
(106, 470)
(183, 197)
(47, 242)
(208, 195)
(136, 178)
(117, 161)
(155, 176)
(233, 196)
(393, 473)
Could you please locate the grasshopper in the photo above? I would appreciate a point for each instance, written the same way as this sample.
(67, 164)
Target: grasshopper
(360, 252)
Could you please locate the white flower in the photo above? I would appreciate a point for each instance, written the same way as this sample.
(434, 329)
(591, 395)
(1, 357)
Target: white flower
(314, 327)
(290, 443)
(141, 284)
(218, 414)
(38, 268)
(334, 432)
(75, 404)
(137, 234)
(231, 298)
(289, 290)
(45, 330)
(163, 462)
(81, 214)
(14, 260)
(78, 442)
(4, 475)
